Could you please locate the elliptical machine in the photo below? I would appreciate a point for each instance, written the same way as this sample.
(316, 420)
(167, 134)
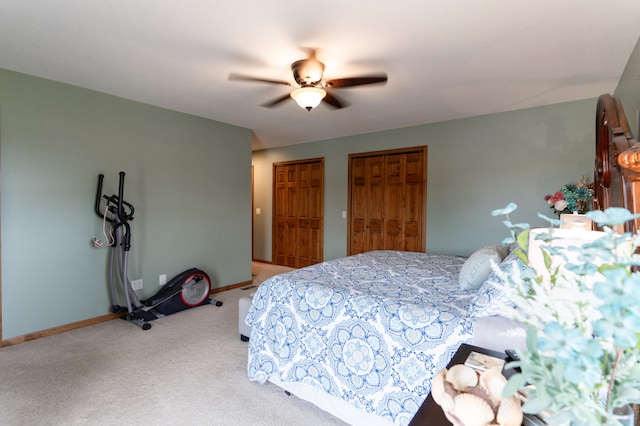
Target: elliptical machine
(186, 290)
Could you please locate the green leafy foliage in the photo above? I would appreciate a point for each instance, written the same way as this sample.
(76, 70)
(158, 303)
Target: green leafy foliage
(582, 308)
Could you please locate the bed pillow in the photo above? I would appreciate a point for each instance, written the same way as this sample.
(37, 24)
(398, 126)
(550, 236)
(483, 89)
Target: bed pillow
(492, 296)
(477, 267)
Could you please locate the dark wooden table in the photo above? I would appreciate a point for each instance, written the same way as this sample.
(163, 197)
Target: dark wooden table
(430, 413)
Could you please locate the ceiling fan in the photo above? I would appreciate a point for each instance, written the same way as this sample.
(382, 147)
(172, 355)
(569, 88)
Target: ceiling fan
(313, 89)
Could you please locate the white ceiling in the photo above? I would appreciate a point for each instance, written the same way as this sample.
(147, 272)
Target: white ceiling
(444, 59)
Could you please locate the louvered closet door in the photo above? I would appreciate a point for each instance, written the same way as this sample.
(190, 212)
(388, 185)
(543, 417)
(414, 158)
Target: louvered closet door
(375, 203)
(394, 201)
(367, 209)
(309, 205)
(358, 206)
(387, 192)
(298, 215)
(285, 220)
(404, 200)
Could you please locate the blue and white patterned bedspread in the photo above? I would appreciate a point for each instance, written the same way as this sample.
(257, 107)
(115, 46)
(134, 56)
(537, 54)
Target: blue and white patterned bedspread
(371, 329)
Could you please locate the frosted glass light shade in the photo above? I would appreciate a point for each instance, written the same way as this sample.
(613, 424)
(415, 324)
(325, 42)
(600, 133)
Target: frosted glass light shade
(308, 97)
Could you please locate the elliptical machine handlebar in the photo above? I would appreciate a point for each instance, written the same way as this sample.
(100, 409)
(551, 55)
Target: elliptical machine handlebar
(121, 214)
(117, 201)
(99, 196)
(119, 207)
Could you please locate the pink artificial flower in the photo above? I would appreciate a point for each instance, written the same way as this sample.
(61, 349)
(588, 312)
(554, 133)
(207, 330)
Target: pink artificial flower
(558, 196)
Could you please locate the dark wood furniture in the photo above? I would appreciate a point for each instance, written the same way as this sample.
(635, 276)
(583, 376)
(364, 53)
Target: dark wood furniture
(617, 165)
(430, 413)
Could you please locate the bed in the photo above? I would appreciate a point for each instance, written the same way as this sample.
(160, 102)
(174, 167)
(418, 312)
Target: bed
(361, 336)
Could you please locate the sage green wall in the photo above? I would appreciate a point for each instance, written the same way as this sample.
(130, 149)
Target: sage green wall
(628, 91)
(475, 165)
(188, 178)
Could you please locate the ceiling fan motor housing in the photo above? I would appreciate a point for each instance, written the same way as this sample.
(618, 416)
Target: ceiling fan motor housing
(307, 72)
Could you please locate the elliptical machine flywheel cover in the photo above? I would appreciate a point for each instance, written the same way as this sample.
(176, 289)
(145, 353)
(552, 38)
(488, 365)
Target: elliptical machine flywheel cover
(195, 288)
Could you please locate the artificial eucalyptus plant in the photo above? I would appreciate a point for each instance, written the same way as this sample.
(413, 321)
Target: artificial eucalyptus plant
(582, 355)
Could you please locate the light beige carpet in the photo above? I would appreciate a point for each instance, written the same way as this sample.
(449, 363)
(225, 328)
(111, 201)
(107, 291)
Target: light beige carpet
(188, 369)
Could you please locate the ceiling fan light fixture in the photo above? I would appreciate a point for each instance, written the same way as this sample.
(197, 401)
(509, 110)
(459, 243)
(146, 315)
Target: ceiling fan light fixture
(308, 97)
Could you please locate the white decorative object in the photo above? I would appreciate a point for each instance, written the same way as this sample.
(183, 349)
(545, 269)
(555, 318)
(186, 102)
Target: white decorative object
(472, 398)
(562, 239)
(575, 221)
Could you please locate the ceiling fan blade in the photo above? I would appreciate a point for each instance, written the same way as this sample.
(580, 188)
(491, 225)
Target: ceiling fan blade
(241, 77)
(356, 81)
(334, 102)
(276, 101)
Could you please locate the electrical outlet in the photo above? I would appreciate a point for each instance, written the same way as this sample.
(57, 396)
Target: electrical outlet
(136, 284)
(162, 279)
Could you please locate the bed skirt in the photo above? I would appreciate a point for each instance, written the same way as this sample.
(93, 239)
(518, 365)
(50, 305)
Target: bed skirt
(331, 404)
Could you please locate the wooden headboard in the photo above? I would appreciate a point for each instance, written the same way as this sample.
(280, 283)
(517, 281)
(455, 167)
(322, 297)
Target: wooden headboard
(617, 166)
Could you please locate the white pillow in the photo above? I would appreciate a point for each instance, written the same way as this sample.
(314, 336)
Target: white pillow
(476, 269)
(492, 297)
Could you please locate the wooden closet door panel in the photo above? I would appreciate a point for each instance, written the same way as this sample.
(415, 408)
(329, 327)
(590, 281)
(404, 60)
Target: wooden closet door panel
(358, 206)
(394, 202)
(414, 202)
(303, 236)
(291, 215)
(387, 192)
(375, 205)
(298, 213)
(280, 215)
(315, 209)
